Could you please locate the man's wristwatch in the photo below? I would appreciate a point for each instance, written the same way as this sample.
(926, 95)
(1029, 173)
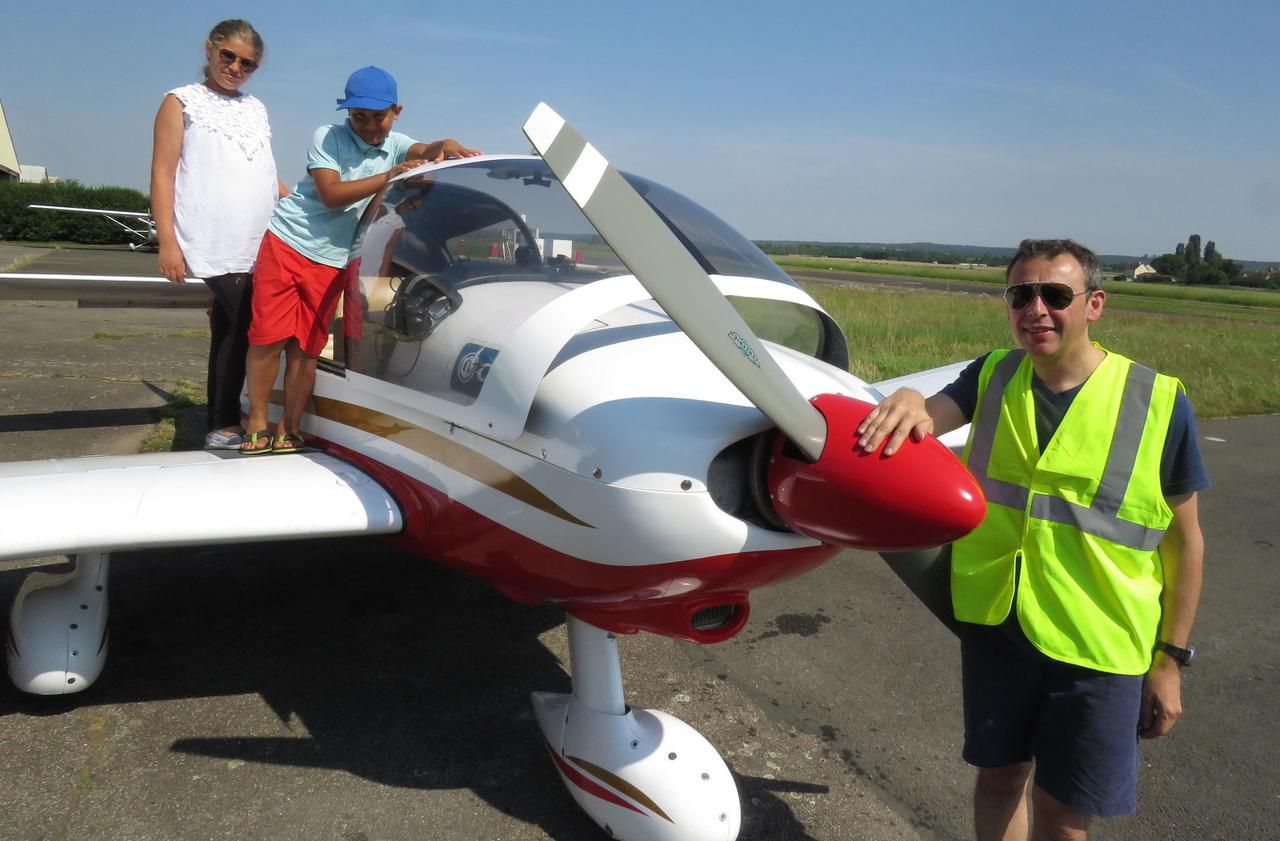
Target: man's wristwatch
(1182, 656)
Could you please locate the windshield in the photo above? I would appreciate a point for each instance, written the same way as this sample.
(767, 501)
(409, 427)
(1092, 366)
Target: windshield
(515, 213)
(719, 248)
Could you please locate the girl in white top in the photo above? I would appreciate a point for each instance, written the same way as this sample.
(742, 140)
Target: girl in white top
(213, 188)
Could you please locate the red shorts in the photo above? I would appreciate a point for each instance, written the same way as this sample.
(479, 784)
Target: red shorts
(293, 297)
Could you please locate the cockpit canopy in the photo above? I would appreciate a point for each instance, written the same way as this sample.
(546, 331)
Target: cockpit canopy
(453, 261)
(485, 210)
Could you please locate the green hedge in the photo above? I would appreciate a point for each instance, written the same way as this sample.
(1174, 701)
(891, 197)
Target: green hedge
(17, 223)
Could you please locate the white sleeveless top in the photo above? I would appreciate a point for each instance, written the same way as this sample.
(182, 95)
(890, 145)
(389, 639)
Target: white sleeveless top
(225, 188)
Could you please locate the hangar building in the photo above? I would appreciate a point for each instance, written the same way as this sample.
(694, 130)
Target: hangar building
(9, 169)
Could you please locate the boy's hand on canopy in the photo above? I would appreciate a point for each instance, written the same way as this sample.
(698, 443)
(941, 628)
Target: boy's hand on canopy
(404, 166)
(453, 149)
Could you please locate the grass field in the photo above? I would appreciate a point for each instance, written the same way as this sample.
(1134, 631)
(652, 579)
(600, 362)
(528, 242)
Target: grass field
(1230, 296)
(1230, 367)
(1117, 299)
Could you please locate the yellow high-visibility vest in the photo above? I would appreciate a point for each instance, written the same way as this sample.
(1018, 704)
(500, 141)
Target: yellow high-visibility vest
(1084, 519)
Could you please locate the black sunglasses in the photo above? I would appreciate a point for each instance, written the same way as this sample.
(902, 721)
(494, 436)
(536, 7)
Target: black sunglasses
(1056, 296)
(248, 65)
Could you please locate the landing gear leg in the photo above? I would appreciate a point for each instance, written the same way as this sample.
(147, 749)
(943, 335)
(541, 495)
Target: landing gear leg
(643, 775)
(58, 628)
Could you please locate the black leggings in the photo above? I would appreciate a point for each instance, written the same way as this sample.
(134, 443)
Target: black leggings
(228, 345)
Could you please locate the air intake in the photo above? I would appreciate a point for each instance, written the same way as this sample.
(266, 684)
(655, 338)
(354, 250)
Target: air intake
(717, 616)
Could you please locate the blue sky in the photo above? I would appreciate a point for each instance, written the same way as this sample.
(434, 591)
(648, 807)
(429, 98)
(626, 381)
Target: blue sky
(1127, 125)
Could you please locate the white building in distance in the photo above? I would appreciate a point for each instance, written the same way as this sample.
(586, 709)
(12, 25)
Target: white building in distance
(31, 174)
(1136, 272)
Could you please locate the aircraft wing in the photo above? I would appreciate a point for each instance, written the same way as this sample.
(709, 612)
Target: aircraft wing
(104, 290)
(929, 383)
(110, 503)
(143, 230)
(124, 214)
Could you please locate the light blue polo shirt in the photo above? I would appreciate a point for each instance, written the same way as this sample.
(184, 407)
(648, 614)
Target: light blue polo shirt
(321, 233)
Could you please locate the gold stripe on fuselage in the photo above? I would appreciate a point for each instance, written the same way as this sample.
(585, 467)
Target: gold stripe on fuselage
(438, 448)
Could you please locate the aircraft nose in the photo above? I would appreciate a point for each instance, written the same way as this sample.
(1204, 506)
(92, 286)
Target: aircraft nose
(922, 496)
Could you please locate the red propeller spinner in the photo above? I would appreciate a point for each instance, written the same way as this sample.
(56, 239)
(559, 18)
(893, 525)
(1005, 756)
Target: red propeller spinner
(921, 496)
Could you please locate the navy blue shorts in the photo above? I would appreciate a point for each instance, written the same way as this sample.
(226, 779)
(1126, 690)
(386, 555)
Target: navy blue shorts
(1080, 726)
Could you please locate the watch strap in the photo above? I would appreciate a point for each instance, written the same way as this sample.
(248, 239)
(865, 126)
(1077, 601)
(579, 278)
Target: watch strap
(1183, 656)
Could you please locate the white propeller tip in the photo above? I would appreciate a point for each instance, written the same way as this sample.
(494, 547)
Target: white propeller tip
(542, 127)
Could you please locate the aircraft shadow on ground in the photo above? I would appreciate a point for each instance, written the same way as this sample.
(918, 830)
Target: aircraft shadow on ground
(402, 672)
(189, 421)
(78, 419)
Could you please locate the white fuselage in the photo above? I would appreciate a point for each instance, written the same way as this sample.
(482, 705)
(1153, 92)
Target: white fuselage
(589, 442)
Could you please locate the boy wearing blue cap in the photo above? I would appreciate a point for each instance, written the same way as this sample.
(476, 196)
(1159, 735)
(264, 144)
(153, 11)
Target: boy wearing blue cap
(303, 257)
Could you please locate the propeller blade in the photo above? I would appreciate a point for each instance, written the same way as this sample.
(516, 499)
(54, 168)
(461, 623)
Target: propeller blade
(927, 574)
(670, 274)
(922, 496)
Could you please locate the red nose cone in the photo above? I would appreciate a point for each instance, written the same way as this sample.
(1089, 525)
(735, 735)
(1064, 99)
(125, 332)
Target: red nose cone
(920, 496)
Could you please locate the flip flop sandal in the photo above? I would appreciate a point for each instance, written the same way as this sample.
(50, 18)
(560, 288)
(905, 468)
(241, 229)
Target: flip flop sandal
(289, 442)
(249, 447)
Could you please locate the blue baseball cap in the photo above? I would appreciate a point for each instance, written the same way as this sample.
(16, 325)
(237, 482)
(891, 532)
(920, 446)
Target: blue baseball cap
(369, 87)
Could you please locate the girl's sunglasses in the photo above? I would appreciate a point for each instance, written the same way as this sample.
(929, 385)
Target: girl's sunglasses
(248, 65)
(1056, 296)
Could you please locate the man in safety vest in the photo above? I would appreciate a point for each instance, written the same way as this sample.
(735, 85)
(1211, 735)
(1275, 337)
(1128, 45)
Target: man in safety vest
(1077, 593)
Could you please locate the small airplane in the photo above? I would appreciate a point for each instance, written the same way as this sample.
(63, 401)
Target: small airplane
(140, 226)
(574, 383)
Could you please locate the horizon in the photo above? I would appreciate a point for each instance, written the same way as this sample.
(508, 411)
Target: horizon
(827, 124)
(995, 249)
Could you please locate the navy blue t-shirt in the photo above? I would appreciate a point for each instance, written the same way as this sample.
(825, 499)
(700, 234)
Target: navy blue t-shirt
(1182, 470)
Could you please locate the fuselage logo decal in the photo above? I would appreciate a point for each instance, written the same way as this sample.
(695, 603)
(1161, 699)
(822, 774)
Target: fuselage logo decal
(745, 347)
(471, 368)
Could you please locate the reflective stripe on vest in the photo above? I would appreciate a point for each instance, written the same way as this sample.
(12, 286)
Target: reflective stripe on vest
(984, 436)
(1099, 519)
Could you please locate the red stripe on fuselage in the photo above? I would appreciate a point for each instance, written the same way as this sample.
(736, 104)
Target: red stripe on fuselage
(449, 532)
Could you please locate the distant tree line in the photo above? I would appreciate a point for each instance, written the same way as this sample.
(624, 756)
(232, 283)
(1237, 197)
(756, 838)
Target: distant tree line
(1259, 279)
(915, 253)
(17, 223)
(1190, 264)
